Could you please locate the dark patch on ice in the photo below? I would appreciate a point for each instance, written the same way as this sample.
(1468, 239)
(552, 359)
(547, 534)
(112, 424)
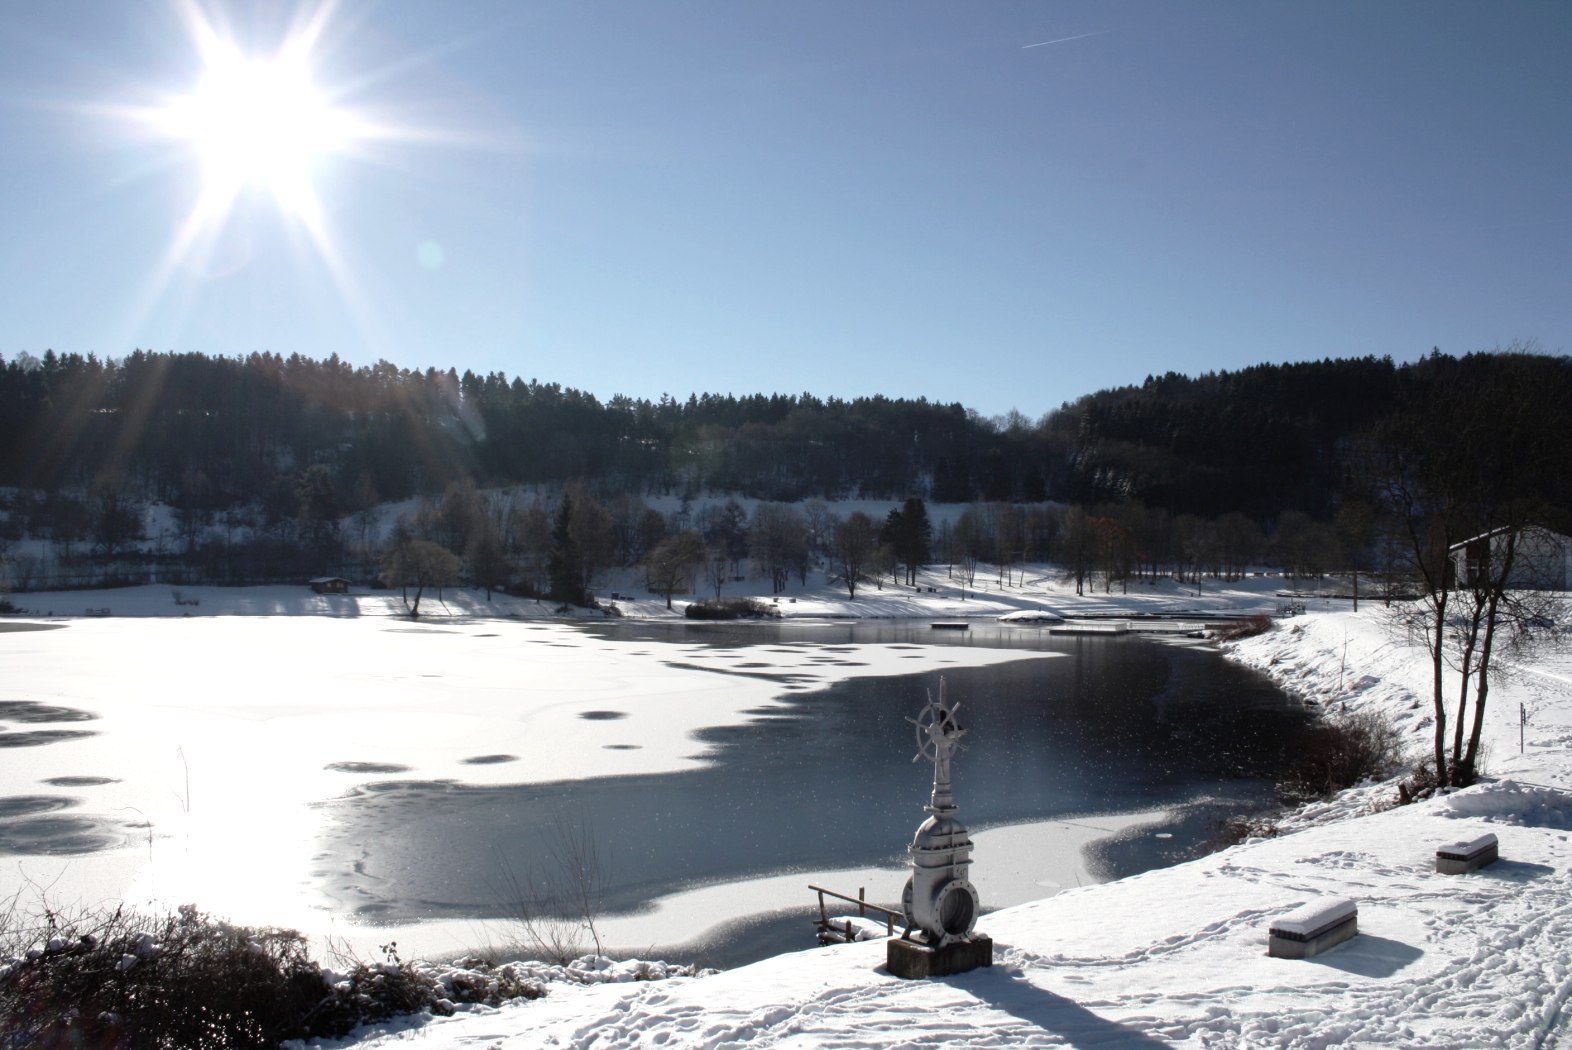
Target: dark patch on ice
(32, 712)
(488, 635)
(366, 767)
(40, 737)
(623, 747)
(489, 760)
(755, 665)
(682, 666)
(8, 627)
(414, 787)
(603, 716)
(54, 835)
(27, 805)
(79, 782)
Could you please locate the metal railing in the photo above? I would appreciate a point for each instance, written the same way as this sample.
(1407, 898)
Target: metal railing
(825, 926)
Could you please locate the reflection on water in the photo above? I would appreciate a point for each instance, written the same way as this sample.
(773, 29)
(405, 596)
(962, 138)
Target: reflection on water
(828, 780)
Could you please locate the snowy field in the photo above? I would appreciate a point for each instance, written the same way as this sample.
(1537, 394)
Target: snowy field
(1172, 957)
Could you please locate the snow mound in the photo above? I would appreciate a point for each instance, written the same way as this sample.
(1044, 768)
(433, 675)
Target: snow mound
(1510, 802)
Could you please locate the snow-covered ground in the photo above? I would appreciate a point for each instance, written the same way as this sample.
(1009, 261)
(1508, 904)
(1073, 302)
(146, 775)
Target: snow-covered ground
(1171, 957)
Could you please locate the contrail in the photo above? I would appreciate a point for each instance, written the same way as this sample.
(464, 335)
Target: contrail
(1065, 39)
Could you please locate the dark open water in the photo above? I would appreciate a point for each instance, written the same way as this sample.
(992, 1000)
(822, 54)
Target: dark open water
(1117, 725)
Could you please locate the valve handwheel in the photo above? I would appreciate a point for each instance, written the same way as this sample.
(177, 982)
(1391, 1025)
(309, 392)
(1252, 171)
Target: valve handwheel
(935, 714)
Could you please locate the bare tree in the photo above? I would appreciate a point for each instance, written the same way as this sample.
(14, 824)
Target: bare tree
(821, 522)
(778, 541)
(1463, 465)
(116, 519)
(1077, 547)
(852, 545)
(672, 563)
(717, 569)
(485, 558)
(558, 904)
(420, 564)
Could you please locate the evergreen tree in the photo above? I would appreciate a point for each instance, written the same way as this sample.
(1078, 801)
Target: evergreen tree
(909, 534)
(564, 562)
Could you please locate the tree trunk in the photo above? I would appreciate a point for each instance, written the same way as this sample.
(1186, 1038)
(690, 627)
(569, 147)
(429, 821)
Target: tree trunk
(1438, 691)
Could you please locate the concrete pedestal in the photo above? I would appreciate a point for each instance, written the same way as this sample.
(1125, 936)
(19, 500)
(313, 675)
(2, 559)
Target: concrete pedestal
(1460, 858)
(1313, 928)
(914, 960)
(1281, 947)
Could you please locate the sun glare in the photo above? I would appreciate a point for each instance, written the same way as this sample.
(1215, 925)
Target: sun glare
(266, 110)
(256, 122)
(259, 123)
(256, 117)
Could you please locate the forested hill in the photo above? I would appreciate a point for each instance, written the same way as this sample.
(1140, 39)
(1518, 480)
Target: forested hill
(1258, 441)
(212, 432)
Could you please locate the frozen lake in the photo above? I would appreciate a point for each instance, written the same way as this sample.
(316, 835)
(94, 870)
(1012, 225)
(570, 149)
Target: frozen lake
(352, 777)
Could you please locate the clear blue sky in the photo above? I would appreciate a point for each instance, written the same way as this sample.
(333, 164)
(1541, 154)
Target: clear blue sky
(1006, 204)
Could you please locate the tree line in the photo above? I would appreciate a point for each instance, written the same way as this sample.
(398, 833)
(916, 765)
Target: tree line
(211, 433)
(273, 468)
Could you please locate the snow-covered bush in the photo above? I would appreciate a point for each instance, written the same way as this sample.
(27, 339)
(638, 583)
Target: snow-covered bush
(190, 980)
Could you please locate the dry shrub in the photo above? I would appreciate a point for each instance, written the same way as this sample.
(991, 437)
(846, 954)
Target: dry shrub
(1231, 831)
(731, 609)
(122, 980)
(1248, 627)
(186, 981)
(1341, 752)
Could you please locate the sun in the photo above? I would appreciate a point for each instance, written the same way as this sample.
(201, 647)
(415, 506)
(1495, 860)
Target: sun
(259, 123)
(288, 108)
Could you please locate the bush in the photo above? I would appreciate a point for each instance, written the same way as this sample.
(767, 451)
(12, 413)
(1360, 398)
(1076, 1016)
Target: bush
(731, 609)
(1231, 831)
(1249, 627)
(1341, 752)
(183, 981)
(1421, 784)
(192, 981)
